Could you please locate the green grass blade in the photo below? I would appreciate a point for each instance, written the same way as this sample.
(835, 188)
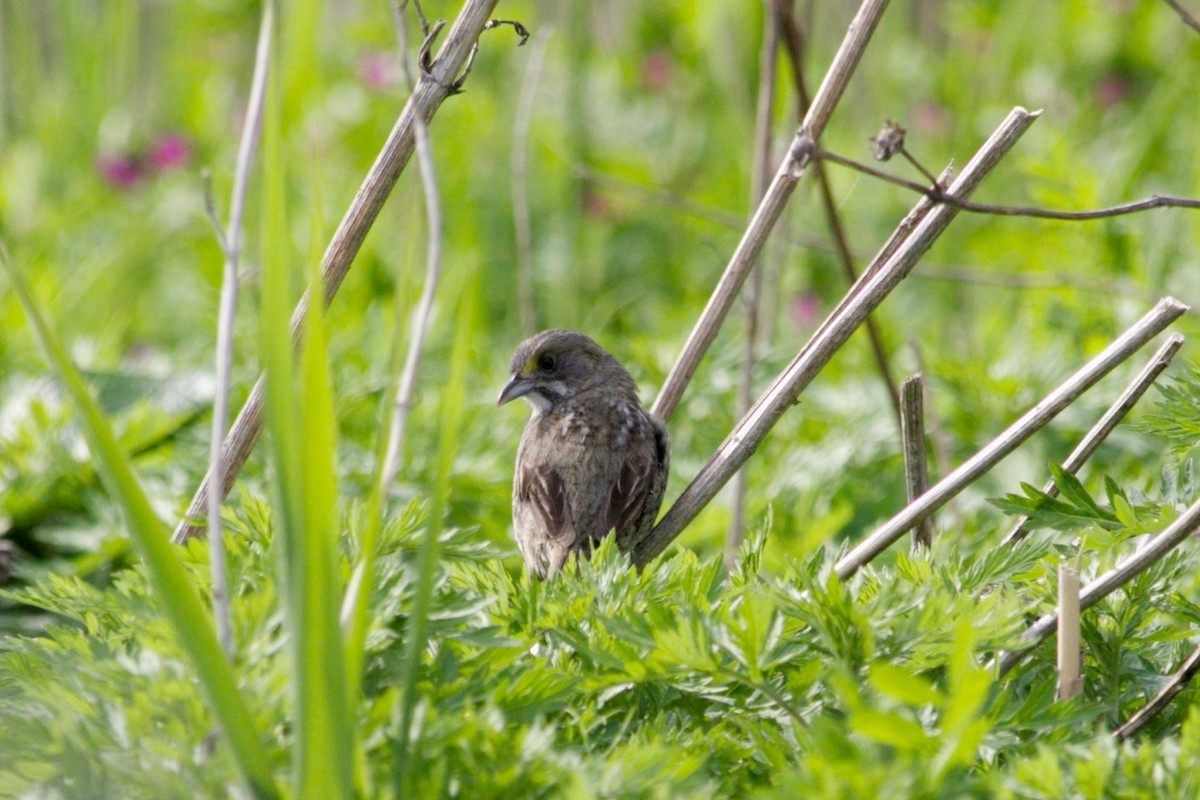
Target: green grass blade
(179, 598)
(415, 638)
(299, 415)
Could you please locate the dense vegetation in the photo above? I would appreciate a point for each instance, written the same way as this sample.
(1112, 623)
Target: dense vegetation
(773, 678)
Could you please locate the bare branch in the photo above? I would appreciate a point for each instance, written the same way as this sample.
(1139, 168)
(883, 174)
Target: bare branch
(431, 91)
(1107, 422)
(912, 432)
(949, 198)
(1145, 329)
(1187, 18)
(1145, 556)
(919, 166)
(866, 295)
(937, 432)
(1178, 682)
(422, 20)
(230, 239)
(794, 46)
(771, 208)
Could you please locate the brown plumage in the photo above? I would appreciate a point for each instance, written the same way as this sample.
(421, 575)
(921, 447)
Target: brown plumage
(591, 459)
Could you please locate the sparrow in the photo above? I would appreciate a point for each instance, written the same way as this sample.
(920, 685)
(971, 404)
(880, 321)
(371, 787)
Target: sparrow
(591, 460)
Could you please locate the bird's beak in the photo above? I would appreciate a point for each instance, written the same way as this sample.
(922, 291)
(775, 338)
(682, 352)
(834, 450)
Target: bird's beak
(517, 387)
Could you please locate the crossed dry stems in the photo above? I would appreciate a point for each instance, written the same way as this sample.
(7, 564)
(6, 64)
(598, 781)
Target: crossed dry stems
(939, 204)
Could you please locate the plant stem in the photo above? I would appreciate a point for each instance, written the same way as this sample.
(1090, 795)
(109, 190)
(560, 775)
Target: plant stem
(433, 265)
(793, 41)
(431, 91)
(771, 207)
(1107, 422)
(1145, 329)
(912, 432)
(1178, 682)
(760, 175)
(898, 257)
(1144, 557)
(951, 198)
(230, 238)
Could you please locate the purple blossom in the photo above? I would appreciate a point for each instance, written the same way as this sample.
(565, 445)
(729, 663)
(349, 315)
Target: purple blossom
(171, 150)
(805, 309)
(120, 170)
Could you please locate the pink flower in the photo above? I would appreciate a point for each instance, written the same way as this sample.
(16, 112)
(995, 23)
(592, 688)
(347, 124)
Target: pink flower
(376, 70)
(120, 170)
(171, 150)
(657, 69)
(805, 309)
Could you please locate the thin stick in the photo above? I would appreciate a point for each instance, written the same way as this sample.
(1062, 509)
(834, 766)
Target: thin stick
(937, 433)
(793, 42)
(1178, 682)
(435, 86)
(760, 175)
(683, 205)
(1070, 681)
(771, 208)
(1145, 329)
(230, 239)
(912, 432)
(1107, 422)
(950, 198)
(520, 183)
(875, 285)
(1187, 18)
(1020, 281)
(1145, 556)
(920, 167)
(915, 216)
(433, 267)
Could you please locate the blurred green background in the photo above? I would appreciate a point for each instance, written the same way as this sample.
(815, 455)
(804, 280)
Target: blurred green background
(637, 179)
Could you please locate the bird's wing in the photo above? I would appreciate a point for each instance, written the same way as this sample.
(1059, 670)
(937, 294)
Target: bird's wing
(638, 491)
(541, 487)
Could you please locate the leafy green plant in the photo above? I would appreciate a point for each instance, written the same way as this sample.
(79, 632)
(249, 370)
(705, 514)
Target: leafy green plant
(452, 675)
(178, 595)
(1176, 417)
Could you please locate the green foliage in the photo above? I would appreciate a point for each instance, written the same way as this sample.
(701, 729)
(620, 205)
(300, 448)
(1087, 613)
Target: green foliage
(178, 596)
(678, 682)
(1068, 509)
(462, 679)
(1176, 416)
(49, 489)
(298, 407)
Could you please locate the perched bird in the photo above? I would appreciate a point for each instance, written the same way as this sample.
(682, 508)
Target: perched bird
(591, 459)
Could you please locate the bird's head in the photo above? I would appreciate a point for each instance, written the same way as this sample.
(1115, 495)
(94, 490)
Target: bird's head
(555, 365)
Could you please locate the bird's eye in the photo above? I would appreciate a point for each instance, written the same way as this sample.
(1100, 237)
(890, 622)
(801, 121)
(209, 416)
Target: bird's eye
(546, 361)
